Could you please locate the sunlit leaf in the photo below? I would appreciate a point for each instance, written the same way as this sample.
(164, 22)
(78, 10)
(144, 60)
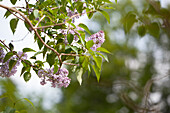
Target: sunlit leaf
(84, 27)
(106, 15)
(79, 75)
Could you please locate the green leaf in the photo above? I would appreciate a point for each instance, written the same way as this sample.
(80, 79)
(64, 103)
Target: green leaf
(97, 72)
(50, 59)
(79, 75)
(154, 29)
(27, 76)
(116, 1)
(9, 110)
(28, 50)
(55, 68)
(98, 61)
(74, 48)
(84, 27)
(106, 15)
(8, 56)
(129, 21)
(36, 13)
(89, 14)
(103, 50)
(13, 1)
(70, 38)
(13, 24)
(7, 14)
(23, 70)
(89, 44)
(11, 46)
(12, 63)
(30, 102)
(104, 56)
(141, 30)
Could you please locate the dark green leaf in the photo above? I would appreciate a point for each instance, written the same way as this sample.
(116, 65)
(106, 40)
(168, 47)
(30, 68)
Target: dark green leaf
(11, 46)
(84, 27)
(89, 44)
(23, 70)
(70, 38)
(28, 50)
(141, 31)
(13, 1)
(13, 24)
(7, 14)
(12, 63)
(50, 59)
(106, 15)
(27, 76)
(8, 56)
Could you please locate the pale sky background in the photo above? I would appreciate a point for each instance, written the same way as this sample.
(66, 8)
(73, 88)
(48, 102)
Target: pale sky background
(51, 95)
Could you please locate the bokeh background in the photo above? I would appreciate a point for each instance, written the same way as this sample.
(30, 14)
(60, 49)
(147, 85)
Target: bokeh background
(136, 78)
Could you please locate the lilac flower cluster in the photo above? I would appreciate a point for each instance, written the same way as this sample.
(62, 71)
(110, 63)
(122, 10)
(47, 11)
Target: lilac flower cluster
(98, 39)
(4, 67)
(58, 79)
(72, 31)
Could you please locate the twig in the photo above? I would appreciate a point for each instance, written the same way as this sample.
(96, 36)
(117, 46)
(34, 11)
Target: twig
(17, 55)
(15, 15)
(40, 20)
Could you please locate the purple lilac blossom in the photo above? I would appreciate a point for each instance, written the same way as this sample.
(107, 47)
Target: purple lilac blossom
(4, 67)
(98, 39)
(58, 79)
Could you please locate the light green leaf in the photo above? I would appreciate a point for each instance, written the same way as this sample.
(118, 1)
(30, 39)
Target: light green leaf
(30, 102)
(13, 24)
(106, 15)
(103, 55)
(103, 50)
(97, 72)
(79, 75)
(55, 68)
(36, 13)
(27, 76)
(98, 61)
(89, 44)
(84, 27)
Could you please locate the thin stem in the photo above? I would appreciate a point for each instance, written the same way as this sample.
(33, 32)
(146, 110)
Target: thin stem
(59, 24)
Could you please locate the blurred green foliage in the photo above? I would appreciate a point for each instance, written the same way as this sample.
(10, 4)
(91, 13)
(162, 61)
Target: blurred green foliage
(139, 39)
